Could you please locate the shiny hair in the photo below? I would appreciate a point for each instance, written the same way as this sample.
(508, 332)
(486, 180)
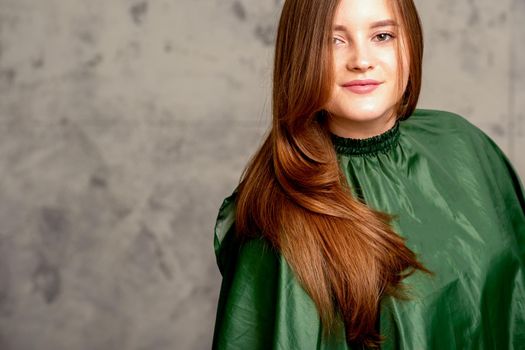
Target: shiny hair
(345, 254)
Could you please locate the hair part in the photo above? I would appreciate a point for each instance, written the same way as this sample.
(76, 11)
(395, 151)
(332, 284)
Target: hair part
(293, 192)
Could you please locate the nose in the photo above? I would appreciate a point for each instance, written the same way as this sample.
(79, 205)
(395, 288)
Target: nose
(360, 58)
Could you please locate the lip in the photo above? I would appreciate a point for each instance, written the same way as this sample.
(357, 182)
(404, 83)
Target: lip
(362, 87)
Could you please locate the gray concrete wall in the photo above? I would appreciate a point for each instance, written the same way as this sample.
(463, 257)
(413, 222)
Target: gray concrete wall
(124, 123)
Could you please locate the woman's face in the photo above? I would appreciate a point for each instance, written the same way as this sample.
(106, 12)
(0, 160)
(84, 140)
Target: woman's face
(366, 87)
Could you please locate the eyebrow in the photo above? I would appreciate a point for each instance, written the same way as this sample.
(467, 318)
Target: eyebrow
(378, 24)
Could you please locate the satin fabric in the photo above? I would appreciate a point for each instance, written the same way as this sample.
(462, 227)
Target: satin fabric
(460, 205)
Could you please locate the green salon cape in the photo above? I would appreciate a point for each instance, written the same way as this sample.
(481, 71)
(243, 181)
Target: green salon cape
(461, 207)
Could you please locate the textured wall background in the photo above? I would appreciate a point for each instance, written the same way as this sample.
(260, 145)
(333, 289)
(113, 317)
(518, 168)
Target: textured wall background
(124, 123)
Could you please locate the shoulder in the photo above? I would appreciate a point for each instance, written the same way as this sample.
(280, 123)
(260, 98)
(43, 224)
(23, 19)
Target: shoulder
(451, 139)
(447, 128)
(229, 248)
(223, 235)
(455, 140)
(441, 120)
(225, 220)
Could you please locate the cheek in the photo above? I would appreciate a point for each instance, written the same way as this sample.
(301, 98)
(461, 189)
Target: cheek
(333, 100)
(406, 66)
(339, 64)
(389, 60)
(405, 75)
(398, 72)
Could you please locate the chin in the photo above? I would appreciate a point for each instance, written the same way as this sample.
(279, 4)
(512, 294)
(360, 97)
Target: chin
(364, 114)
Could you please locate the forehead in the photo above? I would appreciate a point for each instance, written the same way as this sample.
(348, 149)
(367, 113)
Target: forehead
(363, 12)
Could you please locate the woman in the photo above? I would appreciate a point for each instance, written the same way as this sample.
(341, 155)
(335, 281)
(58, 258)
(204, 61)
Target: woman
(363, 222)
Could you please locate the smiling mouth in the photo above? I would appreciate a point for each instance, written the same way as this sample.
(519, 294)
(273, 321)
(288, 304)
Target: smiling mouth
(362, 88)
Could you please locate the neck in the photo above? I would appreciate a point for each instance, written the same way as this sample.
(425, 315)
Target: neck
(358, 129)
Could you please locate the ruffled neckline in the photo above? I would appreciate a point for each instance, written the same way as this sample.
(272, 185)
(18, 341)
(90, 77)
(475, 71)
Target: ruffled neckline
(368, 146)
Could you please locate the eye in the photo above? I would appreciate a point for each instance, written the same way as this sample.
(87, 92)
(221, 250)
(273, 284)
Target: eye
(335, 39)
(384, 36)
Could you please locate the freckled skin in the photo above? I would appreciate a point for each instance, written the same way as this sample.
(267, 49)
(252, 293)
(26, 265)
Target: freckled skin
(362, 51)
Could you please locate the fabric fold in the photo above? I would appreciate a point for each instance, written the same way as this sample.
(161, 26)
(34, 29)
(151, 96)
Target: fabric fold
(461, 207)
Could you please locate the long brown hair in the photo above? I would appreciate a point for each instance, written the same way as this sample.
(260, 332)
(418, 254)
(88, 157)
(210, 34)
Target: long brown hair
(345, 254)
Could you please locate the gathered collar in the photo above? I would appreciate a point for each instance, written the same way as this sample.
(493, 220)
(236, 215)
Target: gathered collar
(368, 146)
